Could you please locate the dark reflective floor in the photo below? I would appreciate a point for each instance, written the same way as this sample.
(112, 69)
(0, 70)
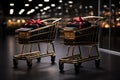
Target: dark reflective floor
(110, 65)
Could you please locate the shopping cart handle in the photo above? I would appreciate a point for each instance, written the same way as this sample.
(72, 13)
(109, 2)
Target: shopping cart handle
(57, 20)
(93, 17)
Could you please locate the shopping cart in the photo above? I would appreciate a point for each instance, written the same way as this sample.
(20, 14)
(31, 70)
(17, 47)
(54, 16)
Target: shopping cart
(73, 38)
(29, 36)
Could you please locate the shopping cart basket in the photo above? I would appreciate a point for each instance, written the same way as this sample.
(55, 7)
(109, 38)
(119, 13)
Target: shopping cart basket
(72, 38)
(29, 36)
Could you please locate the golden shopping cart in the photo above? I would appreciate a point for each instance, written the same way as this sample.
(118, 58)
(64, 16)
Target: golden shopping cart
(72, 38)
(29, 36)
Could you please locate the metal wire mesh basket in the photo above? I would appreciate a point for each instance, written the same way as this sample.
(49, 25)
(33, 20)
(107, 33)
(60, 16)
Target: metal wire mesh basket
(83, 36)
(43, 34)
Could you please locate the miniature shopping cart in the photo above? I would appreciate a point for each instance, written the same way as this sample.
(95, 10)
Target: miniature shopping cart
(74, 38)
(29, 36)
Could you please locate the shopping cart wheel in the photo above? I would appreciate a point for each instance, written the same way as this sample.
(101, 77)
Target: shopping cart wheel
(29, 63)
(77, 67)
(97, 63)
(38, 60)
(61, 67)
(53, 59)
(15, 63)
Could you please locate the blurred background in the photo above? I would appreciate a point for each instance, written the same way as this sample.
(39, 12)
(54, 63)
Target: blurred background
(14, 13)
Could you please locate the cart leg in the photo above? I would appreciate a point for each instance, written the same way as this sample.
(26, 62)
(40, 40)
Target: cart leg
(68, 49)
(38, 60)
(61, 67)
(53, 47)
(39, 47)
(53, 59)
(22, 48)
(80, 52)
(97, 63)
(29, 63)
(15, 63)
(77, 67)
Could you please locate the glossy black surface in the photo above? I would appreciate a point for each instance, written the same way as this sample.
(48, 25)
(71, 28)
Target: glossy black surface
(110, 65)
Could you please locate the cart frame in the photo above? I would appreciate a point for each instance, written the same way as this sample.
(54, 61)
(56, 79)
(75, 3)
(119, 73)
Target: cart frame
(73, 38)
(46, 34)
